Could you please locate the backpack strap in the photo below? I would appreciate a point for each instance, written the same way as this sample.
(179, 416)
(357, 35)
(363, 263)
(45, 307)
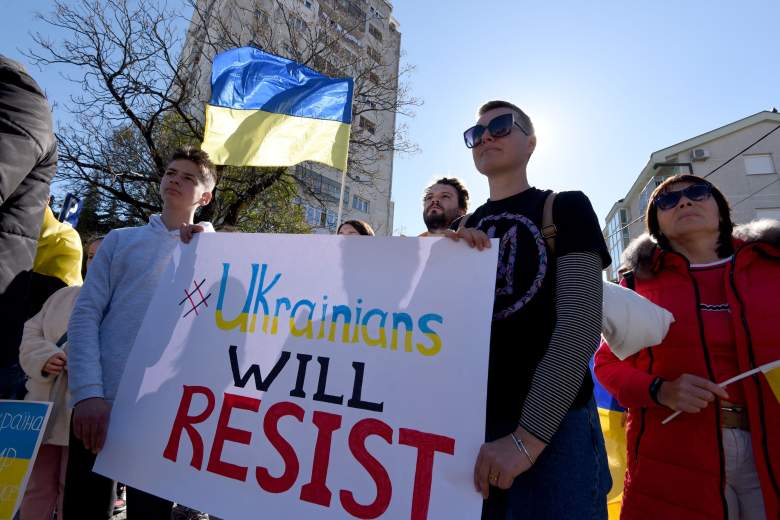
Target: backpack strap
(630, 279)
(462, 221)
(549, 231)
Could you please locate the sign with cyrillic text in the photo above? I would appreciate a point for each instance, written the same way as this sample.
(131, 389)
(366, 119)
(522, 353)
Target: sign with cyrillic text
(22, 425)
(290, 376)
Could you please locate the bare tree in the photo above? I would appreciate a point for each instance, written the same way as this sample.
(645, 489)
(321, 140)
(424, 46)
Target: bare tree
(141, 97)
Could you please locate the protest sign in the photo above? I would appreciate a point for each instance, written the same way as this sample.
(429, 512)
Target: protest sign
(310, 377)
(22, 425)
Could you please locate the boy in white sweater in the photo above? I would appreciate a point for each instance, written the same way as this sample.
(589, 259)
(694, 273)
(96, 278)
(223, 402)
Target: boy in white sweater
(105, 322)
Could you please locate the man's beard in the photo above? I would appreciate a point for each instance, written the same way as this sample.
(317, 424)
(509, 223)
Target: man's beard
(436, 221)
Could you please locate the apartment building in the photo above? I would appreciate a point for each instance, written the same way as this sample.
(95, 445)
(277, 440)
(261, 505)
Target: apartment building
(740, 158)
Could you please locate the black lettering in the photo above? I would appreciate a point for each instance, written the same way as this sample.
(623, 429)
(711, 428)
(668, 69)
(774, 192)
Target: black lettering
(254, 371)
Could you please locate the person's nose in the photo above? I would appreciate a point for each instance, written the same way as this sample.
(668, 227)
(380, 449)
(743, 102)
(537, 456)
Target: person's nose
(487, 137)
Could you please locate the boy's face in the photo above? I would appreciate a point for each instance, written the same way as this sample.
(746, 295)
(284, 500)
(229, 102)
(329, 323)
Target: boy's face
(180, 186)
(92, 251)
(497, 155)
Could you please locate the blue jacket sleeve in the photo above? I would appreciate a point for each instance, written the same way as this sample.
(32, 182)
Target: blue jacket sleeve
(85, 372)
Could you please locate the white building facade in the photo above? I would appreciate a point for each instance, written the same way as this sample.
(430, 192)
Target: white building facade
(741, 159)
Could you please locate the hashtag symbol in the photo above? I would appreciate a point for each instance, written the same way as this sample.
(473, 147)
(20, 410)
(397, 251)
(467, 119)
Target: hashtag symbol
(189, 296)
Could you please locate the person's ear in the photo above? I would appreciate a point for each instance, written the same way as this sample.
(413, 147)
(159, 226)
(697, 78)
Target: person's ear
(531, 144)
(205, 199)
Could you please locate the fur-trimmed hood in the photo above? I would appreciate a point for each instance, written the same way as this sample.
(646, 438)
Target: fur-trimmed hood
(639, 254)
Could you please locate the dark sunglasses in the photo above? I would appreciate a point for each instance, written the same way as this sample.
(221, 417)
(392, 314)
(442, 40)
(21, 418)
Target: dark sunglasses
(499, 126)
(669, 199)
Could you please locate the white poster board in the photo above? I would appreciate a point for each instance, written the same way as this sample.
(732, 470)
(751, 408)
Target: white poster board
(310, 377)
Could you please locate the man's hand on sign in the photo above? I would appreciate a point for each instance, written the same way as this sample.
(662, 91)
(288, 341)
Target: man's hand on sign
(187, 231)
(500, 461)
(473, 237)
(90, 422)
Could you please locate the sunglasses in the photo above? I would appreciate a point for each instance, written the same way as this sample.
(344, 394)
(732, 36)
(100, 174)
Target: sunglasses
(669, 199)
(499, 126)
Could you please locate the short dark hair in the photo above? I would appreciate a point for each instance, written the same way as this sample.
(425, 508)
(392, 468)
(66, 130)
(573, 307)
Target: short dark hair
(460, 188)
(725, 246)
(208, 175)
(522, 117)
(361, 226)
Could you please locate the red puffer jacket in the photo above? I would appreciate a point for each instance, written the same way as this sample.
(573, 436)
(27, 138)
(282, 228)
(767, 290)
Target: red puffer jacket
(677, 470)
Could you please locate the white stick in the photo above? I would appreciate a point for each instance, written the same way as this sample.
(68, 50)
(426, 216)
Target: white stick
(725, 383)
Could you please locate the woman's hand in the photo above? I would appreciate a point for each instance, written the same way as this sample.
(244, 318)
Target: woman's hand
(500, 461)
(689, 393)
(56, 363)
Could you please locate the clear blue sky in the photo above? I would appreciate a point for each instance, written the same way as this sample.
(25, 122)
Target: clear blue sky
(607, 83)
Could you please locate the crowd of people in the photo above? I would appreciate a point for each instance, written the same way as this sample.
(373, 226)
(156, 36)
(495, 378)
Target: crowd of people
(544, 454)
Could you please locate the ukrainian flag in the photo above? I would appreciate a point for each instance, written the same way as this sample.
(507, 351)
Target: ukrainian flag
(612, 417)
(772, 373)
(266, 110)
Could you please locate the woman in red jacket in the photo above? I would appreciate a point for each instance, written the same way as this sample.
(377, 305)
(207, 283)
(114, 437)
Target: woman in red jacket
(721, 457)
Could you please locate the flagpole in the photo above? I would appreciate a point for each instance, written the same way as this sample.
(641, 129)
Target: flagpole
(341, 197)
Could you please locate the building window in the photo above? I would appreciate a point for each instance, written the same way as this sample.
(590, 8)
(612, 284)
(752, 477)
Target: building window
(313, 215)
(320, 185)
(759, 164)
(298, 24)
(347, 56)
(374, 54)
(261, 16)
(359, 203)
(644, 197)
(367, 125)
(332, 215)
(376, 33)
(617, 238)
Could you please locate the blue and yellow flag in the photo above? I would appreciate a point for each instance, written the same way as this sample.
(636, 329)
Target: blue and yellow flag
(613, 425)
(22, 427)
(266, 110)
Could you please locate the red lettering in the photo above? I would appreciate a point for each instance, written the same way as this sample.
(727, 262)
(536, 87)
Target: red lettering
(226, 433)
(184, 422)
(384, 488)
(291, 466)
(316, 491)
(427, 445)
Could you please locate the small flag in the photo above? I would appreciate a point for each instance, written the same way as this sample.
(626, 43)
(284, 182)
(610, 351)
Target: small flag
(71, 209)
(266, 110)
(772, 373)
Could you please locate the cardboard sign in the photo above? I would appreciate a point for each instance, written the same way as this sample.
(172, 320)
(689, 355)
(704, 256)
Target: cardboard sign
(22, 425)
(310, 377)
